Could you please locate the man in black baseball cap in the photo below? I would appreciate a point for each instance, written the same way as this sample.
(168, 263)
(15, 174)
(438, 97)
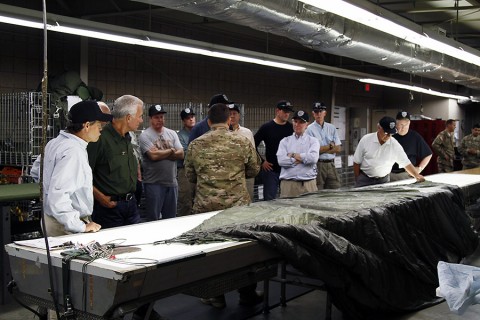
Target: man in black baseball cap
(414, 146)
(297, 156)
(271, 133)
(202, 127)
(330, 145)
(220, 98)
(67, 183)
(301, 115)
(285, 106)
(377, 152)
(87, 111)
(388, 125)
(155, 109)
(185, 188)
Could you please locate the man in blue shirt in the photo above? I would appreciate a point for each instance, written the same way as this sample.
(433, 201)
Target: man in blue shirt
(330, 145)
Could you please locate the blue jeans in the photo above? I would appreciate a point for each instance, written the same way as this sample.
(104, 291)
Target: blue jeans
(160, 201)
(125, 213)
(271, 182)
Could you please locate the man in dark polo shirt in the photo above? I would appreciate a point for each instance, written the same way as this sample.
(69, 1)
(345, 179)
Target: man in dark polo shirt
(115, 167)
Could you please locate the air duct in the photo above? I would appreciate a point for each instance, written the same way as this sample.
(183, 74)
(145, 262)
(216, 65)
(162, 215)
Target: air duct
(327, 32)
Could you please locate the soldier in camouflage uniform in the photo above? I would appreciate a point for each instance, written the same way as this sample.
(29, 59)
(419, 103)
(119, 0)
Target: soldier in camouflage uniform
(218, 162)
(444, 147)
(470, 148)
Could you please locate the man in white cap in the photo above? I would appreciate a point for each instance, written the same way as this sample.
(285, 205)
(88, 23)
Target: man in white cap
(377, 152)
(67, 176)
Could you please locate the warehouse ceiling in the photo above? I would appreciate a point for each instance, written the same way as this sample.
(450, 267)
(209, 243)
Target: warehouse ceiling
(293, 29)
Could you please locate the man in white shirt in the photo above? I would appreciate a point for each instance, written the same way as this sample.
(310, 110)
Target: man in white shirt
(67, 176)
(377, 152)
(297, 156)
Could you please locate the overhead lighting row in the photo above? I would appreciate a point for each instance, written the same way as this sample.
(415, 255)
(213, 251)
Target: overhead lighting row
(210, 53)
(360, 15)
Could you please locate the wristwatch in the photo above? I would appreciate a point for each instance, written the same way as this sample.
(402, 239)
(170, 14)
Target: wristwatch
(293, 155)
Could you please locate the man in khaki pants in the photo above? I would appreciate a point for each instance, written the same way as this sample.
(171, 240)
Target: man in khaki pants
(297, 156)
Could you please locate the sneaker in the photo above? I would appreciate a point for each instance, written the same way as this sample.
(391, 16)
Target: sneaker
(250, 298)
(216, 302)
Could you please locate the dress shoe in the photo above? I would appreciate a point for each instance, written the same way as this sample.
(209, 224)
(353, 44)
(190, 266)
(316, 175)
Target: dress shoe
(216, 302)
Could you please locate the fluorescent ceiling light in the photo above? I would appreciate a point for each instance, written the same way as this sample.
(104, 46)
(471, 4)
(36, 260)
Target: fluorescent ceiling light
(149, 43)
(137, 37)
(414, 88)
(354, 13)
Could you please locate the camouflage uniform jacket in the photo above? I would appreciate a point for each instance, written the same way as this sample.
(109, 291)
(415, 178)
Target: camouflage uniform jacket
(470, 160)
(218, 162)
(443, 145)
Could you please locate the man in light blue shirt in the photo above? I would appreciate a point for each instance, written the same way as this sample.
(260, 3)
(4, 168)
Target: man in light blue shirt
(297, 156)
(67, 176)
(330, 145)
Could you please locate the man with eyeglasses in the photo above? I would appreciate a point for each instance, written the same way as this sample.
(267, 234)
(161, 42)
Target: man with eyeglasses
(68, 198)
(377, 152)
(414, 146)
(330, 145)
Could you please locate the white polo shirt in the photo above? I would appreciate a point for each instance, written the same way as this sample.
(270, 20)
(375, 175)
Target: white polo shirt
(376, 159)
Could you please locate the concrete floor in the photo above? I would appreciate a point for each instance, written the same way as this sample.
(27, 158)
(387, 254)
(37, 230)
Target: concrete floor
(302, 304)
(310, 305)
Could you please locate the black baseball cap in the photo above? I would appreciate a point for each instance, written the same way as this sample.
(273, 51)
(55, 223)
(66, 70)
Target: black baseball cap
(285, 105)
(186, 112)
(300, 114)
(319, 106)
(86, 111)
(388, 125)
(220, 98)
(403, 115)
(235, 107)
(155, 109)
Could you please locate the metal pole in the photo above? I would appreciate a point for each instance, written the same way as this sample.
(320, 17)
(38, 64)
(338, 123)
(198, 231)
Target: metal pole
(45, 111)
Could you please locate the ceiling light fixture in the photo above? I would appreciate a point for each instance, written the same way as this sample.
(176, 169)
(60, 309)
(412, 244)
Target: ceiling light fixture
(149, 43)
(31, 19)
(414, 88)
(365, 17)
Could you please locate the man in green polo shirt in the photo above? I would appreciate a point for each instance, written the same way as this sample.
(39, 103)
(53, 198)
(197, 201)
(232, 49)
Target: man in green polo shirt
(115, 167)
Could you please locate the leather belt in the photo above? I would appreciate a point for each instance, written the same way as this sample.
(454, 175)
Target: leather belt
(325, 161)
(125, 197)
(373, 178)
